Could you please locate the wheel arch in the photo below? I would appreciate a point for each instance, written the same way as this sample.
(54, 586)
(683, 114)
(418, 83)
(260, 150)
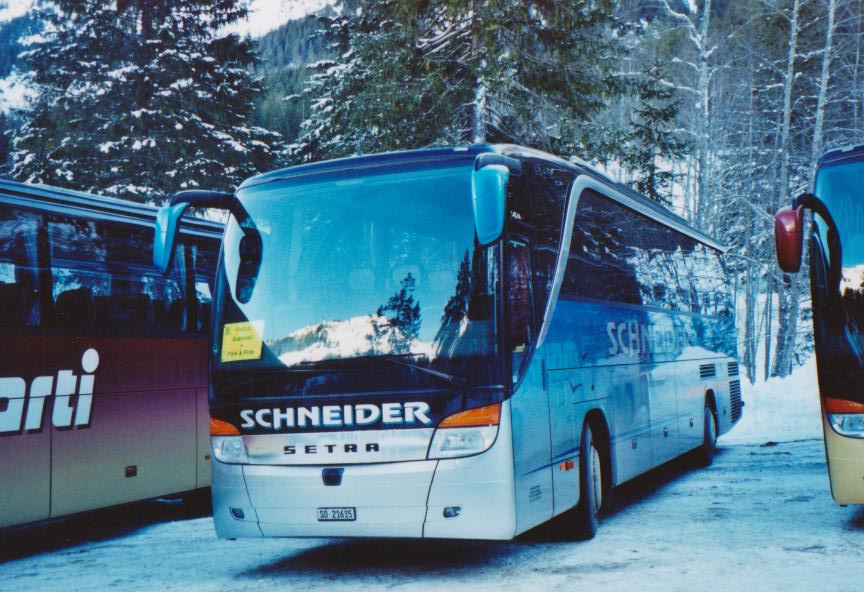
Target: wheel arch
(711, 401)
(596, 419)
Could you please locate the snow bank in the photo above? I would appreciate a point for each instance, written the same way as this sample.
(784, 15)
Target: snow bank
(780, 409)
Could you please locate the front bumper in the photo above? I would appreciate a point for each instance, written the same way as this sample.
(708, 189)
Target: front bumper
(397, 499)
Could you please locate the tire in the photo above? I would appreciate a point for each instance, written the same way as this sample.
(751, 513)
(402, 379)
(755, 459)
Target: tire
(590, 486)
(709, 440)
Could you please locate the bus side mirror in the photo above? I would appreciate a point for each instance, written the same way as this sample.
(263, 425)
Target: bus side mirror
(488, 192)
(788, 237)
(168, 221)
(167, 224)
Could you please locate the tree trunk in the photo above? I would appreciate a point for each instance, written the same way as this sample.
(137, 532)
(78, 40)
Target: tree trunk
(704, 116)
(788, 83)
(790, 311)
(824, 80)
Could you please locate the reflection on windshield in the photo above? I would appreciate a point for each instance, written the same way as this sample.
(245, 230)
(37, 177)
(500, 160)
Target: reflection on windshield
(392, 329)
(376, 265)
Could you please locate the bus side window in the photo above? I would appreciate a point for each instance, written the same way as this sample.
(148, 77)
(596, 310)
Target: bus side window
(549, 189)
(19, 269)
(520, 321)
(103, 279)
(603, 258)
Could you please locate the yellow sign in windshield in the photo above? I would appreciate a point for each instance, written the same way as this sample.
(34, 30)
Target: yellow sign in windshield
(242, 341)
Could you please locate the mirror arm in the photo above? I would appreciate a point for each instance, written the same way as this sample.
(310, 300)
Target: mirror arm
(835, 249)
(487, 158)
(219, 200)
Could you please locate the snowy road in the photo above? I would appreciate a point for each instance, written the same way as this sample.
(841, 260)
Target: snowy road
(760, 518)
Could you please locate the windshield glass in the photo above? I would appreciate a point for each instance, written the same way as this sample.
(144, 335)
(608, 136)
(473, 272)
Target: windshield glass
(361, 282)
(841, 342)
(841, 187)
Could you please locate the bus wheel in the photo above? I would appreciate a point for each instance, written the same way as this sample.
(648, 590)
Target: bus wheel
(709, 441)
(590, 486)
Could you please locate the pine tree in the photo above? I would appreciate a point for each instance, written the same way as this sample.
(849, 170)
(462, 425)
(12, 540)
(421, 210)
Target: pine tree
(457, 307)
(411, 74)
(141, 98)
(404, 318)
(655, 146)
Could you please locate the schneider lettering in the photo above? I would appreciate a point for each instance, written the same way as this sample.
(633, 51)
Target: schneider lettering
(335, 416)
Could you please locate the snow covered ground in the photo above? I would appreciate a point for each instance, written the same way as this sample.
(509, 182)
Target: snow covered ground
(760, 518)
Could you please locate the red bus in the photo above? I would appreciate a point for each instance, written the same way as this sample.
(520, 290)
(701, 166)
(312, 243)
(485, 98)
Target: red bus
(103, 372)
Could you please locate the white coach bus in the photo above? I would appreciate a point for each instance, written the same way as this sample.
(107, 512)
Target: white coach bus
(454, 343)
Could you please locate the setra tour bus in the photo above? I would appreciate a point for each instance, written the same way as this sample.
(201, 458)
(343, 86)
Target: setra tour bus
(103, 372)
(453, 342)
(837, 291)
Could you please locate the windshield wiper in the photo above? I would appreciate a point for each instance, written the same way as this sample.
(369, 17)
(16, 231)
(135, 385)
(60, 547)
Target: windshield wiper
(397, 359)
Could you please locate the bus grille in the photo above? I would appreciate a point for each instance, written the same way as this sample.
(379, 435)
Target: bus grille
(735, 399)
(707, 370)
(733, 368)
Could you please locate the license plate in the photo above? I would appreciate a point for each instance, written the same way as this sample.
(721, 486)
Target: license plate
(336, 514)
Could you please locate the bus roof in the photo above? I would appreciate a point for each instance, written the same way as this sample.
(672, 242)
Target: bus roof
(839, 154)
(455, 154)
(67, 201)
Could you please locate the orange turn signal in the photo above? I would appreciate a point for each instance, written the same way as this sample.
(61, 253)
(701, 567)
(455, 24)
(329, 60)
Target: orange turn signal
(481, 416)
(842, 406)
(222, 428)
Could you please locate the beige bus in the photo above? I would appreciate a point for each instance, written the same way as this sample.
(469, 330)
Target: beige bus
(837, 287)
(103, 372)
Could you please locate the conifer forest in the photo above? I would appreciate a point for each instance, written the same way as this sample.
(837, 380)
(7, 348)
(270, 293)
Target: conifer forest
(718, 109)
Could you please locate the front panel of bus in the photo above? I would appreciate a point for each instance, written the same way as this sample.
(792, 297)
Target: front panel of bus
(838, 314)
(103, 373)
(357, 375)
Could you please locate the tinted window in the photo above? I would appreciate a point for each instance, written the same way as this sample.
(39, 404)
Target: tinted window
(19, 270)
(61, 272)
(102, 279)
(619, 255)
(601, 263)
(537, 204)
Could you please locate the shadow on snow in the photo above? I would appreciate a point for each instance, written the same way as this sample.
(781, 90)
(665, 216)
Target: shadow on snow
(99, 525)
(410, 557)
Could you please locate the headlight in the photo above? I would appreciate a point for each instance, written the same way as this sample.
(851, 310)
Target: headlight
(453, 442)
(848, 424)
(229, 449)
(466, 433)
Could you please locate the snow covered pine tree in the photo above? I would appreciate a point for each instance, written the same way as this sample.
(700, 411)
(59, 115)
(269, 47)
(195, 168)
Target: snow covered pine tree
(412, 74)
(140, 98)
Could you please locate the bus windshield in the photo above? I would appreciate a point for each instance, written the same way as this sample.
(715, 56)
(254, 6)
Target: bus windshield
(839, 185)
(358, 282)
